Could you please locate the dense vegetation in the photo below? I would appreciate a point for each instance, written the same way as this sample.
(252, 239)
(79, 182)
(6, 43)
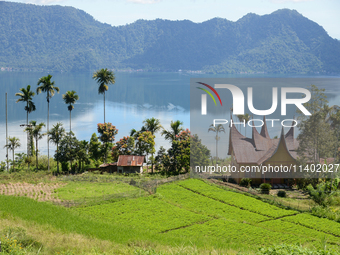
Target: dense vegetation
(64, 38)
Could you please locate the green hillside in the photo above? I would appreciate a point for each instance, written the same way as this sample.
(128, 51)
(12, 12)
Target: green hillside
(58, 38)
(190, 213)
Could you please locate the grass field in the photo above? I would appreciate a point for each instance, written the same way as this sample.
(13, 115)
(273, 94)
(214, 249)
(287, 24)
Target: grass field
(185, 217)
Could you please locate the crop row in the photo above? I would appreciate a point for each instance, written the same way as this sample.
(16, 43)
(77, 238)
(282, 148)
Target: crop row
(191, 201)
(82, 190)
(228, 232)
(321, 224)
(235, 199)
(283, 226)
(146, 213)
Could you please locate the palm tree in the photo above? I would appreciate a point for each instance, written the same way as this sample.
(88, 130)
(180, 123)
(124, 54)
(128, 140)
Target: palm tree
(240, 118)
(70, 98)
(26, 96)
(246, 117)
(13, 144)
(35, 131)
(48, 87)
(104, 77)
(218, 128)
(55, 135)
(153, 125)
(174, 131)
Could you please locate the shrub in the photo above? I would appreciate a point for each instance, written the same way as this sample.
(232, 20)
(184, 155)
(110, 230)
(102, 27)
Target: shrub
(319, 195)
(245, 182)
(281, 193)
(13, 240)
(265, 188)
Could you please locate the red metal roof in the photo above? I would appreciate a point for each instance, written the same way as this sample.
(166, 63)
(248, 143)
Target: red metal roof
(130, 160)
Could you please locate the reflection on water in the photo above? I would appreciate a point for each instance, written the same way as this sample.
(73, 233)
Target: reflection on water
(133, 98)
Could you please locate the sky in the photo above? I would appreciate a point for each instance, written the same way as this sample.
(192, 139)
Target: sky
(122, 12)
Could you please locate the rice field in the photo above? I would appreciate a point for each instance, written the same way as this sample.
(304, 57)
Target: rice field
(189, 213)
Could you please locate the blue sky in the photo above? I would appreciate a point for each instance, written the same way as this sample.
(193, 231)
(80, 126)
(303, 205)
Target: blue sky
(121, 12)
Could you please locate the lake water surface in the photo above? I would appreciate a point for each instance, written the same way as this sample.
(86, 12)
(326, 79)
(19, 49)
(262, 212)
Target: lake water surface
(133, 98)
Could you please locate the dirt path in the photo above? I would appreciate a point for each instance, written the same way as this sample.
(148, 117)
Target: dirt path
(39, 192)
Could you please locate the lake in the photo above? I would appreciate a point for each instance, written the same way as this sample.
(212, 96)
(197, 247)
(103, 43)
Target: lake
(133, 98)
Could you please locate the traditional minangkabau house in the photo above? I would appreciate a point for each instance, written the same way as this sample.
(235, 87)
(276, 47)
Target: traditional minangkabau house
(261, 150)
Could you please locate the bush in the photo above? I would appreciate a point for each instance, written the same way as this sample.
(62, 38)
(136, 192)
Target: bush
(245, 182)
(265, 188)
(281, 193)
(43, 162)
(319, 195)
(13, 240)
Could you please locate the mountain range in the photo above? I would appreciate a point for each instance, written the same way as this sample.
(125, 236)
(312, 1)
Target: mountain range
(34, 37)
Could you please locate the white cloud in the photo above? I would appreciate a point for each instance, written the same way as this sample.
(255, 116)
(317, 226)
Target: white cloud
(144, 1)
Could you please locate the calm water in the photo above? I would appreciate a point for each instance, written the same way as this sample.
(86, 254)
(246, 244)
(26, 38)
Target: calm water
(133, 98)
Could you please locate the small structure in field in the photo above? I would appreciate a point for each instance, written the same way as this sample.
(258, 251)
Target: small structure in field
(125, 164)
(130, 164)
(109, 168)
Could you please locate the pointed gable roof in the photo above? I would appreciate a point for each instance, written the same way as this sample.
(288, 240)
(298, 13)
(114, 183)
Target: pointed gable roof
(272, 151)
(264, 130)
(260, 147)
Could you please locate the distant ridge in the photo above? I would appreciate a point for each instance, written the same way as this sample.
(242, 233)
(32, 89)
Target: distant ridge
(59, 38)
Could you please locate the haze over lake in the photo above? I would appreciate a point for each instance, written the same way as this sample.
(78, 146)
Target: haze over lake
(133, 98)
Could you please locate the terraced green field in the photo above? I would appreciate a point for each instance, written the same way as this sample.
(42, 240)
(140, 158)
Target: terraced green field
(185, 213)
(147, 213)
(209, 215)
(82, 190)
(235, 199)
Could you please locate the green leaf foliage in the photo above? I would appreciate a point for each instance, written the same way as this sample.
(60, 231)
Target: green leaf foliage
(64, 38)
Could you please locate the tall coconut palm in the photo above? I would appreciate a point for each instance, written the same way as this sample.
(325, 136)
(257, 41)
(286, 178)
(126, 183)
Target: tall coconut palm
(218, 128)
(35, 131)
(26, 96)
(70, 98)
(46, 85)
(153, 125)
(56, 134)
(13, 143)
(241, 119)
(175, 129)
(104, 77)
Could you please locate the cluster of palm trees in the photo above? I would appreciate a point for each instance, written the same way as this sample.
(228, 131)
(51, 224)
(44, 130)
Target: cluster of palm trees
(153, 125)
(104, 77)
